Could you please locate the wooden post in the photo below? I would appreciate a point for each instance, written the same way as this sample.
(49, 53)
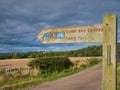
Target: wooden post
(109, 52)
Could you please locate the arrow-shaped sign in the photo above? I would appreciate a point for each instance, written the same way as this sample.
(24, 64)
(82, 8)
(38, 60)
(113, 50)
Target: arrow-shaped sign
(74, 34)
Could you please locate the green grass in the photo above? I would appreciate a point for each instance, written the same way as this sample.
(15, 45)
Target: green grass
(118, 75)
(12, 83)
(25, 82)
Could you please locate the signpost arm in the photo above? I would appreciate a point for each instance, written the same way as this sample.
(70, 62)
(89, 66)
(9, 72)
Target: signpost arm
(109, 52)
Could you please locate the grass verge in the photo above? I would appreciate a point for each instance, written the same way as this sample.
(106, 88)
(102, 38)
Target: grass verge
(29, 80)
(118, 76)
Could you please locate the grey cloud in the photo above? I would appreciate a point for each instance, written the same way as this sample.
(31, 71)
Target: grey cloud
(22, 20)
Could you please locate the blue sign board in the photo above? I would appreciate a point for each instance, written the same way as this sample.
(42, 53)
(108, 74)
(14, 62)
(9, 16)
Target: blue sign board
(60, 35)
(47, 35)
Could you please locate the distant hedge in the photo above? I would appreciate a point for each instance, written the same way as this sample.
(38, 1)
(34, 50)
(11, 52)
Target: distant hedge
(50, 65)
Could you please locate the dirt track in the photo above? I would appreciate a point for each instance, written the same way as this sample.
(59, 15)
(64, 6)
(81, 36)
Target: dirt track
(89, 79)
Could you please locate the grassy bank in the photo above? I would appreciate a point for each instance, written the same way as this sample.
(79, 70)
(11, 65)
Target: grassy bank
(13, 83)
(118, 76)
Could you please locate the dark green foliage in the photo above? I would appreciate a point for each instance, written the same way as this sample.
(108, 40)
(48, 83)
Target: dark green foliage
(50, 65)
(2, 71)
(89, 51)
(15, 55)
(94, 61)
(83, 66)
(4, 56)
(84, 52)
(118, 51)
(43, 54)
(118, 75)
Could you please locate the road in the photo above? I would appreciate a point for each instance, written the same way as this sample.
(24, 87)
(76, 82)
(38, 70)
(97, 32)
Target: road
(89, 79)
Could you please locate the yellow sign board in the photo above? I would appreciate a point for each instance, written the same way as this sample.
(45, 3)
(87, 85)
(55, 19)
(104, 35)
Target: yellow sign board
(73, 34)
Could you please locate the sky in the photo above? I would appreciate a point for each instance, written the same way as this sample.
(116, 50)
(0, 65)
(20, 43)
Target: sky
(22, 20)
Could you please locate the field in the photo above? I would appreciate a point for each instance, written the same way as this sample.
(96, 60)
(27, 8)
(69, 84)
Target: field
(16, 63)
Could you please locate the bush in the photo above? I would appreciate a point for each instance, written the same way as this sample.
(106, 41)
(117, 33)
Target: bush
(118, 74)
(94, 61)
(50, 65)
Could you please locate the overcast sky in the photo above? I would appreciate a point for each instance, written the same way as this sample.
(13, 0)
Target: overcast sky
(22, 20)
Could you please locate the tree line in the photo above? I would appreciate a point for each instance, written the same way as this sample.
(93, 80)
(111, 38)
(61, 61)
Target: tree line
(84, 52)
(89, 51)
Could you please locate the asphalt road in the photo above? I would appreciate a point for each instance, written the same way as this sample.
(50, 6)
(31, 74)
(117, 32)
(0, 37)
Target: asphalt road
(89, 79)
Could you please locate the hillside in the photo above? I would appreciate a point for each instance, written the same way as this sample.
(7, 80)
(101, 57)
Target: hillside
(118, 52)
(118, 46)
(84, 52)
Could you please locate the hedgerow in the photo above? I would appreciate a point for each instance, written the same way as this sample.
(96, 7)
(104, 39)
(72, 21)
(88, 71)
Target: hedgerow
(51, 64)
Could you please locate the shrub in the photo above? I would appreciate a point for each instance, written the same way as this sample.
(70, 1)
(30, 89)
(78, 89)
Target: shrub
(50, 65)
(83, 66)
(118, 74)
(94, 61)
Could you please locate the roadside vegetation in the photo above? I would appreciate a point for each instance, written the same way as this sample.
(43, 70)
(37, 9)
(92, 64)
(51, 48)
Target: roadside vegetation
(84, 52)
(48, 69)
(118, 75)
(50, 66)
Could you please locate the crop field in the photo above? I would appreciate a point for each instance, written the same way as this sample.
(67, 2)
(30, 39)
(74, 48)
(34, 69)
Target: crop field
(16, 63)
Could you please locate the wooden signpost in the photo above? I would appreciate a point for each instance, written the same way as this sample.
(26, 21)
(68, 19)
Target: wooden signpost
(105, 33)
(109, 52)
(76, 34)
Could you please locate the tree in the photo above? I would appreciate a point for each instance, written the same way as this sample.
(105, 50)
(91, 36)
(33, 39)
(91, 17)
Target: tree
(15, 55)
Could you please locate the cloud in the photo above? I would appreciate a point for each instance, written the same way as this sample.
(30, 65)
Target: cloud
(21, 21)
